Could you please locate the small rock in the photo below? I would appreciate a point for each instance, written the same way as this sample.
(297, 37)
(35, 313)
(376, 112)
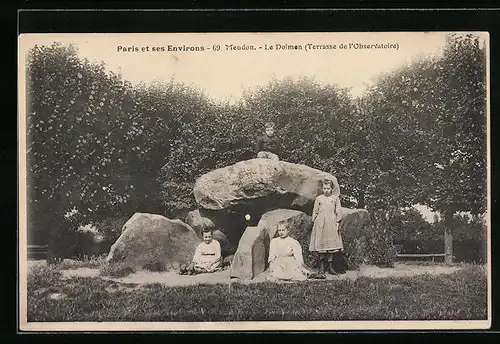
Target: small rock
(56, 296)
(40, 291)
(198, 222)
(227, 260)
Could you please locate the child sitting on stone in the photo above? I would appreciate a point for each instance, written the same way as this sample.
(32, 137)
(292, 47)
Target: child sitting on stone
(207, 257)
(285, 257)
(268, 144)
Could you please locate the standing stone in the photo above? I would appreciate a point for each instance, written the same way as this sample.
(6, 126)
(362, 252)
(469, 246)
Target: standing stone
(353, 226)
(154, 240)
(226, 247)
(299, 224)
(250, 258)
(353, 222)
(198, 222)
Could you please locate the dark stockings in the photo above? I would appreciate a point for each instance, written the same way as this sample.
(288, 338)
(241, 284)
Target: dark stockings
(333, 263)
(331, 268)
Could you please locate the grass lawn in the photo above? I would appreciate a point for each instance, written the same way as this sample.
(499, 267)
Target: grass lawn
(457, 296)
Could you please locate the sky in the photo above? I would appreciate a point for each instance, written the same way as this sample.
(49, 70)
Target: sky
(224, 75)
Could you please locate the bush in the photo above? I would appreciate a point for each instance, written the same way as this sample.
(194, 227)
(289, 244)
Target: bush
(178, 199)
(355, 252)
(353, 229)
(380, 250)
(419, 237)
(111, 229)
(371, 244)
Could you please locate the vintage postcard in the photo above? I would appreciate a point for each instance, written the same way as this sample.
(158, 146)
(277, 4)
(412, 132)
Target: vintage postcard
(254, 181)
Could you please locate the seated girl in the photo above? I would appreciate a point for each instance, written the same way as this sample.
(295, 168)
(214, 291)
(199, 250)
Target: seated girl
(285, 257)
(207, 257)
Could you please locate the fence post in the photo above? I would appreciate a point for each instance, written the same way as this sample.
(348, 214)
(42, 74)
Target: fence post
(448, 247)
(448, 238)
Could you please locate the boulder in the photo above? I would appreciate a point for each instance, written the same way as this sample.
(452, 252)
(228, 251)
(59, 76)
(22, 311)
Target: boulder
(353, 221)
(154, 240)
(197, 222)
(250, 258)
(299, 223)
(353, 226)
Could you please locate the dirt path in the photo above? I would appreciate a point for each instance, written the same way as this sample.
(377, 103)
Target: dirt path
(222, 277)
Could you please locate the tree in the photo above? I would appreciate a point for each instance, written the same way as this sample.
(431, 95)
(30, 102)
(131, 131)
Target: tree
(439, 105)
(95, 142)
(311, 120)
(410, 225)
(68, 141)
(458, 181)
(401, 133)
(318, 125)
(431, 114)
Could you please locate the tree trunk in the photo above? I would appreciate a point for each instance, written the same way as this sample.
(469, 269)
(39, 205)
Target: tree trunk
(448, 237)
(361, 200)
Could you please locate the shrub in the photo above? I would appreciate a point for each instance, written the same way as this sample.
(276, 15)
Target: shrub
(111, 229)
(355, 251)
(178, 198)
(370, 244)
(379, 247)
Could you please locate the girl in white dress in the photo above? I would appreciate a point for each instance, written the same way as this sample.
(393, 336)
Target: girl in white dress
(207, 257)
(285, 257)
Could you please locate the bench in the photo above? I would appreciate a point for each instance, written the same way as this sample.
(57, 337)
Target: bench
(37, 251)
(420, 255)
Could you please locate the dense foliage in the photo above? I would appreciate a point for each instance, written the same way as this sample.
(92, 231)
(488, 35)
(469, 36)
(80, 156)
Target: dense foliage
(95, 142)
(432, 116)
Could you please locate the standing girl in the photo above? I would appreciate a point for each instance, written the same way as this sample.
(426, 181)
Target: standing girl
(325, 236)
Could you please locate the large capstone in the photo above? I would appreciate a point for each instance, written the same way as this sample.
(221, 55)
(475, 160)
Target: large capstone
(235, 197)
(294, 184)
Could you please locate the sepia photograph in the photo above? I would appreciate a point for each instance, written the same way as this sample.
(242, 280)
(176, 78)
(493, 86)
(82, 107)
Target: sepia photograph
(254, 181)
